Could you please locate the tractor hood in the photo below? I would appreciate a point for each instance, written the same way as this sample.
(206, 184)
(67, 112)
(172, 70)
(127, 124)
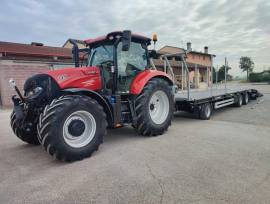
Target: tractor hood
(82, 77)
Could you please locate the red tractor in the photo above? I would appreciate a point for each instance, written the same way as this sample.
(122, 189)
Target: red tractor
(67, 111)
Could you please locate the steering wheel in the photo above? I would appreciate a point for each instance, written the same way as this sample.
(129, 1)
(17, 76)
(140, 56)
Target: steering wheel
(131, 69)
(106, 62)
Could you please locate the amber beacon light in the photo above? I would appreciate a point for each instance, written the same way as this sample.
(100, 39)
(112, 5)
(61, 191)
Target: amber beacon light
(155, 39)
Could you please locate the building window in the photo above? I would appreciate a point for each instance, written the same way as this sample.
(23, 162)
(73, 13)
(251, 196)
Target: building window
(203, 57)
(177, 59)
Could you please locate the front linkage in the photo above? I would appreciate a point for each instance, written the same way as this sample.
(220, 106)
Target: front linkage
(24, 117)
(69, 127)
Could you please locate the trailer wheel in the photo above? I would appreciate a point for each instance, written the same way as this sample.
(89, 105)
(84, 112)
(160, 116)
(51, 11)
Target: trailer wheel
(154, 108)
(239, 101)
(245, 98)
(72, 127)
(28, 135)
(205, 111)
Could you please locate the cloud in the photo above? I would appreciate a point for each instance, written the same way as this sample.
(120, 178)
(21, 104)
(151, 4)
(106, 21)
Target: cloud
(230, 28)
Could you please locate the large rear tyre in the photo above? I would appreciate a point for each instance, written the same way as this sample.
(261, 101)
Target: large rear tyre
(154, 108)
(72, 127)
(28, 135)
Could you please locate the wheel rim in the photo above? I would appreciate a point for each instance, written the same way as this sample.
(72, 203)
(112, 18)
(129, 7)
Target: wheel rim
(79, 129)
(246, 96)
(159, 107)
(240, 100)
(207, 111)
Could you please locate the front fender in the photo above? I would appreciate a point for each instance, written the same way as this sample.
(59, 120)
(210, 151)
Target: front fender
(99, 98)
(141, 80)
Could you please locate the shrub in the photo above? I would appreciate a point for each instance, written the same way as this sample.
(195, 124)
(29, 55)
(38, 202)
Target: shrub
(260, 77)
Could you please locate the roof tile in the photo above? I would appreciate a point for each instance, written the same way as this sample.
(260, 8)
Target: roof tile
(26, 49)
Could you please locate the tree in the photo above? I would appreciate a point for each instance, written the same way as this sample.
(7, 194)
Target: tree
(221, 73)
(214, 74)
(247, 65)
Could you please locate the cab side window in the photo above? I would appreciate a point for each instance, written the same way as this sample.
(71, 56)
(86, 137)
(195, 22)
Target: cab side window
(132, 60)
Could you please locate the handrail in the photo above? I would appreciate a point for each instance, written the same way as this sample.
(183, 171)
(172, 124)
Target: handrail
(182, 55)
(153, 66)
(170, 68)
(188, 82)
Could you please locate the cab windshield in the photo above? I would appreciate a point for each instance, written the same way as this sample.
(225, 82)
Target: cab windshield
(100, 55)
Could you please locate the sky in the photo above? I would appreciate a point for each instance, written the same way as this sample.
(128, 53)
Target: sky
(231, 28)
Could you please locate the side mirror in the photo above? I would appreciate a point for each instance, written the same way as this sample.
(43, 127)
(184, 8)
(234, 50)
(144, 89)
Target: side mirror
(75, 53)
(126, 39)
(153, 54)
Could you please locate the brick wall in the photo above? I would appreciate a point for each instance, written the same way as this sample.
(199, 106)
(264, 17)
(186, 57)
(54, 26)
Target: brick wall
(199, 59)
(19, 72)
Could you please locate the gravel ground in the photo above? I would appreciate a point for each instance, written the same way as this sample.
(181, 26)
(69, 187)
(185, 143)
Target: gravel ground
(223, 160)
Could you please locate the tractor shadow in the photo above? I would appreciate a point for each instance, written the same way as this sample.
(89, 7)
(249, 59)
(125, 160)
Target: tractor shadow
(119, 134)
(181, 116)
(25, 154)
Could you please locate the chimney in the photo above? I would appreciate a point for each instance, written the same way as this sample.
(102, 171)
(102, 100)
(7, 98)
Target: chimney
(206, 50)
(189, 46)
(36, 44)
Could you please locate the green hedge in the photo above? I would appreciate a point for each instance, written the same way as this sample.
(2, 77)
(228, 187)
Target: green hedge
(260, 77)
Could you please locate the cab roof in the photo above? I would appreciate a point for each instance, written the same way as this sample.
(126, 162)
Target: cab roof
(114, 35)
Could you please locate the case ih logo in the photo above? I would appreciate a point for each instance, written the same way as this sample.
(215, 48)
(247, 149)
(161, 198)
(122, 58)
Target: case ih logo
(89, 82)
(92, 72)
(62, 77)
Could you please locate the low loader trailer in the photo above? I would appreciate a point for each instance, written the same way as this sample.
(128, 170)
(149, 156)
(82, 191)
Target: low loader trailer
(202, 102)
(114, 83)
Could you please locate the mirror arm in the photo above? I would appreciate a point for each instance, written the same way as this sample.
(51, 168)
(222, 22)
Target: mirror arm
(75, 52)
(117, 41)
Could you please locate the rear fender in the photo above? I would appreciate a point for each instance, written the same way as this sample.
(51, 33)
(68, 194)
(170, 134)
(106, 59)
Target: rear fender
(141, 80)
(99, 98)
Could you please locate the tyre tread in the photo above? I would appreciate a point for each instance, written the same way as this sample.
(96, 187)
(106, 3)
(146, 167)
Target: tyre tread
(50, 114)
(142, 125)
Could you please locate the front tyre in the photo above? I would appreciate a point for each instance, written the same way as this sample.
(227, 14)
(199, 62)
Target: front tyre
(154, 108)
(72, 127)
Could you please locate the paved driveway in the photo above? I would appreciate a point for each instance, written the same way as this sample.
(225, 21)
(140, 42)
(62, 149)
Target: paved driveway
(224, 160)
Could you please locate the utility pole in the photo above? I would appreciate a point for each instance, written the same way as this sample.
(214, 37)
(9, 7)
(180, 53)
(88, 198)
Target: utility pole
(225, 78)
(217, 75)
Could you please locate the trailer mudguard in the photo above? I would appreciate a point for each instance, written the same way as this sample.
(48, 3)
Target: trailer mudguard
(100, 99)
(141, 80)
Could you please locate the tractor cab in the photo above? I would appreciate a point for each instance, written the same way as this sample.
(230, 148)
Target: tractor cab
(121, 56)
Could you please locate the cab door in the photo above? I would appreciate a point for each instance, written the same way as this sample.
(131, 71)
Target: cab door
(130, 63)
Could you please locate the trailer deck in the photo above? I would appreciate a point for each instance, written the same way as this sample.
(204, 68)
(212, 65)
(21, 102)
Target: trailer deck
(197, 94)
(203, 101)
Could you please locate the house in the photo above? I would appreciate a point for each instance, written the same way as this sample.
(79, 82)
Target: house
(199, 65)
(19, 61)
(81, 44)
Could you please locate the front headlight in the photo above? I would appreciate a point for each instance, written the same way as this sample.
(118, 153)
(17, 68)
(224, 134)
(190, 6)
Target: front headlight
(35, 92)
(12, 83)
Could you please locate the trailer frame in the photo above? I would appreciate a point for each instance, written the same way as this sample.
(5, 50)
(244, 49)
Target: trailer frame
(194, 101)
